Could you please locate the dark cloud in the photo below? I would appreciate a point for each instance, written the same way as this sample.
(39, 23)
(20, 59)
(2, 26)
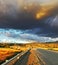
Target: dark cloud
(12, 16)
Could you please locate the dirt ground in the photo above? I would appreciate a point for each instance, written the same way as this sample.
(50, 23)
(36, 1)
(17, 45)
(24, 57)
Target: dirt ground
(33, 60)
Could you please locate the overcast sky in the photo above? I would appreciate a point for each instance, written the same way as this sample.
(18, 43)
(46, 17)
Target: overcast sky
(28, 21)
(18, 14)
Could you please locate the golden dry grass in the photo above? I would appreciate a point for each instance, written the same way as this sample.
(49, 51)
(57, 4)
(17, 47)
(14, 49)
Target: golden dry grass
(6, 52)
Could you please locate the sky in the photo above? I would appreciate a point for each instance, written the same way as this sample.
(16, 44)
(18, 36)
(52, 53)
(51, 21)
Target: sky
(33, 20)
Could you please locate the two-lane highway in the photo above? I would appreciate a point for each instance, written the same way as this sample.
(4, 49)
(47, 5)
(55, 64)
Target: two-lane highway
(47, 57)
(35, 57)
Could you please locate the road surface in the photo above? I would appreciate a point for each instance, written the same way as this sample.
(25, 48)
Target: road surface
(23, 60)
(47, 57)
(29, 59)
(36, 57)
(39, 57)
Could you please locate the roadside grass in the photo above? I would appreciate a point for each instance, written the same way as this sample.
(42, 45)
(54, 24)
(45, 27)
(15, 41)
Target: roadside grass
(7, 53)
(54, 49)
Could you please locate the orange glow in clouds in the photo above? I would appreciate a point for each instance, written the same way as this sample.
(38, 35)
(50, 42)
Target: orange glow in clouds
(44, 11)
(39, 15)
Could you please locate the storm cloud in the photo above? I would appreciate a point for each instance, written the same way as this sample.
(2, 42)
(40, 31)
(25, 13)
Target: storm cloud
(24, 21)
(21, 14)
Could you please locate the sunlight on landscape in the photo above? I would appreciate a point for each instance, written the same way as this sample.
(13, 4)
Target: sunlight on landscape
(28, 32)
(9, 50)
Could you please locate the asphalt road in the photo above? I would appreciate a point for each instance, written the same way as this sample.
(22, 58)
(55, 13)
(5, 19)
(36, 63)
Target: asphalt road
(35, 57)
(47, 57)
(23, 60)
